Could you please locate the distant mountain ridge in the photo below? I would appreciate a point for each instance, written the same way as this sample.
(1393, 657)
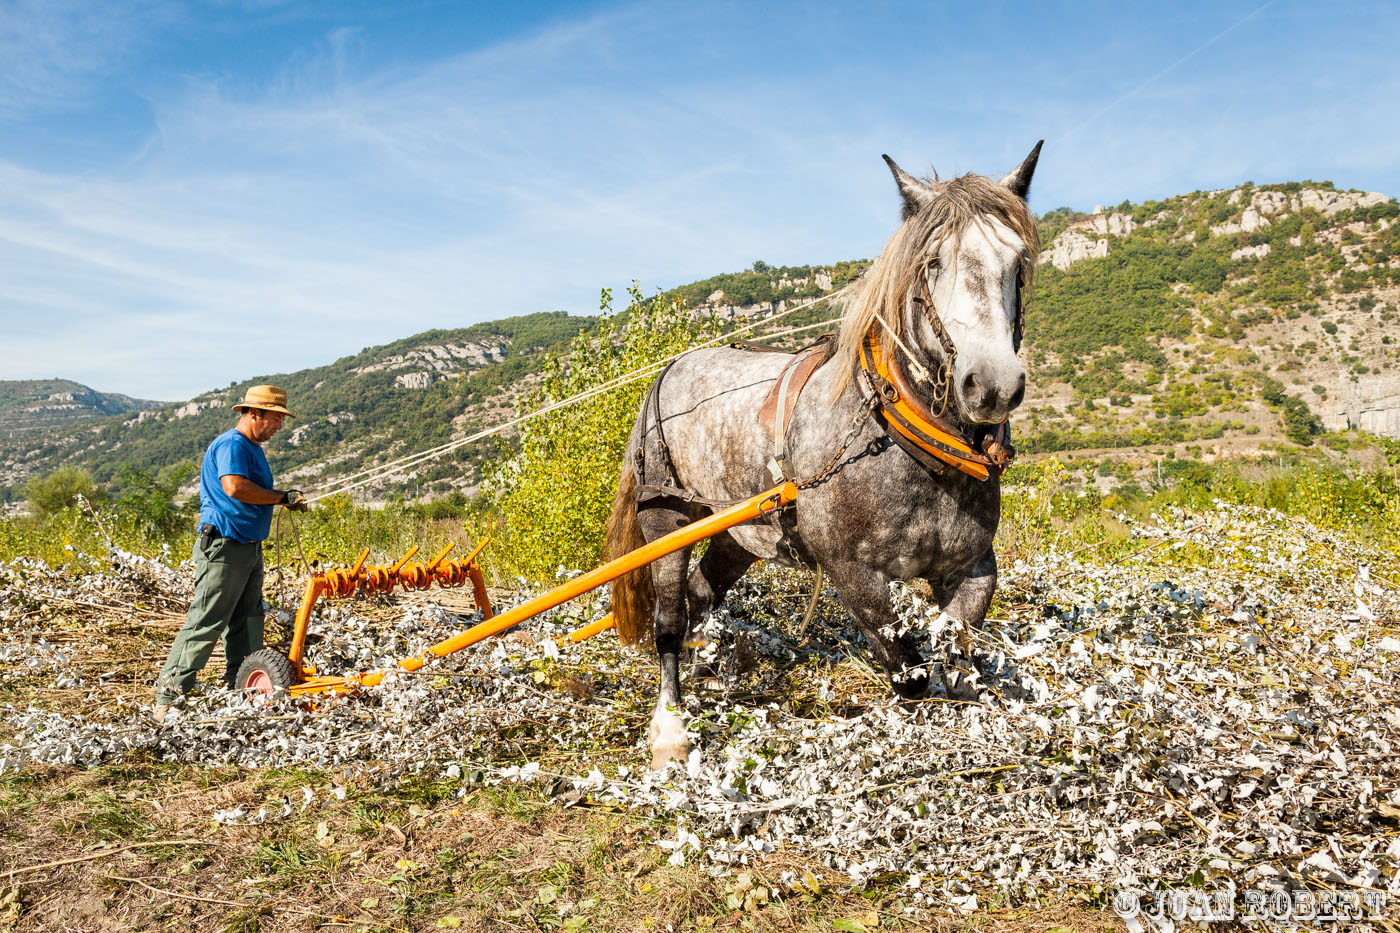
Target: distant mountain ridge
(388, 400)
(27, 404)
(1217, 324)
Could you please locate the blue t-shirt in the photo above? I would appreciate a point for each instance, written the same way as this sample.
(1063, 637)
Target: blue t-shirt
(233, 454)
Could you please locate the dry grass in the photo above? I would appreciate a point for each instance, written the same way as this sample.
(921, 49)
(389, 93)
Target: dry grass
(384, 860)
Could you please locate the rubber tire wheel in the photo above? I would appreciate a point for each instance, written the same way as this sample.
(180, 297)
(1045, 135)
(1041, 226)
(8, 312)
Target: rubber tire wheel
(268, 672)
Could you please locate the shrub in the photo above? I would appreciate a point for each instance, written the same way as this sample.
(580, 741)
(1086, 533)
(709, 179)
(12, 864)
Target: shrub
(1299, 423)
(148, 501)
(60, 490)
(554, 494)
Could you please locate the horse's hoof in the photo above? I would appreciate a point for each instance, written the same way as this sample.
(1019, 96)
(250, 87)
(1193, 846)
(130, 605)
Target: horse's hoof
(667, 739)
(662, 755)
(961, 685)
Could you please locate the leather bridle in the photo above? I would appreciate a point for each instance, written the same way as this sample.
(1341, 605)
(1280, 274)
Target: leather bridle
(942, 380)
(926, 431)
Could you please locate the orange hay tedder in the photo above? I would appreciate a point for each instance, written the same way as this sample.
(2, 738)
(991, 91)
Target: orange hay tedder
(269, 671)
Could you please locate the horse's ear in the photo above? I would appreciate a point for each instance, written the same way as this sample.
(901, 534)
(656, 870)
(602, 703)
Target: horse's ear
(1019, 178)
(916, 194)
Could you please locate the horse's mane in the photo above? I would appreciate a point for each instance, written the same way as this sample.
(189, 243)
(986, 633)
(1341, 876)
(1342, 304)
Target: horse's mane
(885, 286)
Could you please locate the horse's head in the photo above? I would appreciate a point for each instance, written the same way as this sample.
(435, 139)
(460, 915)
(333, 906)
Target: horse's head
(949, 285)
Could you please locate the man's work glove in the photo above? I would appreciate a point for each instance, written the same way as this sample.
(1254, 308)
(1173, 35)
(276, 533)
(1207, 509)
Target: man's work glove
(294, 500)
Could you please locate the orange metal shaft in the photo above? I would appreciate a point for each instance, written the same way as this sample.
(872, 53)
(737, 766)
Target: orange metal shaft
(398, 564)
(303, 621)
(476, 550)
(479, 594)
(432, 564)
(591, 629)
(761, 504)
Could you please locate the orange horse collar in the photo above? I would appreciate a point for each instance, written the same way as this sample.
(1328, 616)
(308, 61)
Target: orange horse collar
(930, 439)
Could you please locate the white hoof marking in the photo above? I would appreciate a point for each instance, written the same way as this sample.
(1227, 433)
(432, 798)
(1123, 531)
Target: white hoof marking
(667, 738)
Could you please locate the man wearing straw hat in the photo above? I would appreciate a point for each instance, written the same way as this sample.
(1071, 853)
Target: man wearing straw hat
(235, 516)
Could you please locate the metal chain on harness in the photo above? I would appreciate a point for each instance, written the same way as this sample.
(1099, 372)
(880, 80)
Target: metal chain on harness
(857, 422)
(865, 407)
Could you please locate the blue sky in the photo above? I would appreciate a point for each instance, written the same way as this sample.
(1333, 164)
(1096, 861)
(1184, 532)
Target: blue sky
(192, 194)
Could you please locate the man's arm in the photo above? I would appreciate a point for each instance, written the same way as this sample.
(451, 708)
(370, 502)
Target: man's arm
(245, 490)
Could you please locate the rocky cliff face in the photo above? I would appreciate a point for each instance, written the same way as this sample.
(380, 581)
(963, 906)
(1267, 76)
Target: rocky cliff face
(427, 364)
(720, 305)
(1371, 404)
(1082, 240)
(1086, 239)
(1073, 246)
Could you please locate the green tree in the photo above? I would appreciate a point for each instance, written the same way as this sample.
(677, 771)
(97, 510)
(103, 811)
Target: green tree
(1299, 423)
(60, 490)
(148, 500)
(555, 493)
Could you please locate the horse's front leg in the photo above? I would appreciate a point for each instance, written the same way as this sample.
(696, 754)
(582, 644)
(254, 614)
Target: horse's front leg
(667, 733)
(866, 595)
(966, 598)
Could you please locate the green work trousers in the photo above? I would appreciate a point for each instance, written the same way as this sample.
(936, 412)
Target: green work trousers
(228, 580)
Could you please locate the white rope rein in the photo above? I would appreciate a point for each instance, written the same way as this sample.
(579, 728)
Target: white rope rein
(920, 372)
(376, 473)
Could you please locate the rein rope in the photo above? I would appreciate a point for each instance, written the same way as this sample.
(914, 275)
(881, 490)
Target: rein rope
(919, 371)
(281, 569)
(374, 474)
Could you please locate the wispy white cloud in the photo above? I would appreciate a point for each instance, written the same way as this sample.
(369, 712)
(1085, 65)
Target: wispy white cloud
(53, 52)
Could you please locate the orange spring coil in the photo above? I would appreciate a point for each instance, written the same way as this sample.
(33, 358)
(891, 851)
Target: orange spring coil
(378, 579)
(414, 576)
(450, 573)
(340, 582)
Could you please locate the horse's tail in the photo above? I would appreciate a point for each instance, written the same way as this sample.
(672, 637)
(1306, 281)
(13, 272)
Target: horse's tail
(633, 599)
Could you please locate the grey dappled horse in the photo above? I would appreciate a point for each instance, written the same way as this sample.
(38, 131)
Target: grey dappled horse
(880, 515)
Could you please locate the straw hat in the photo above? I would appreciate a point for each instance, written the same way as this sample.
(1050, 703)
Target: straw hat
(268, 398)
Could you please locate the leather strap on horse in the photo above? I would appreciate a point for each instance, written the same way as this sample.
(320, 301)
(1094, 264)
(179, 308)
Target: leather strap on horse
(776, 412)
(649, 491)
(930, 439)
(653, 402)
(943, 380)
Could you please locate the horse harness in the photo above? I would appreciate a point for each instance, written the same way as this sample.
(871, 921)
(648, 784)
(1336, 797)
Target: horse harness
(887, 396)
(929, 438)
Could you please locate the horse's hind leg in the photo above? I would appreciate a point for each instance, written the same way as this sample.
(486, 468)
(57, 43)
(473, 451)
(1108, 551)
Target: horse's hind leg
(866, 596)
(721, 567)
(723, 564)
(668, 577)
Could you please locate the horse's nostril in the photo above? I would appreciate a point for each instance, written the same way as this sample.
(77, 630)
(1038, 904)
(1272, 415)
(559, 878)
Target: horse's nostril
(970, 385)
(1018, 395)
